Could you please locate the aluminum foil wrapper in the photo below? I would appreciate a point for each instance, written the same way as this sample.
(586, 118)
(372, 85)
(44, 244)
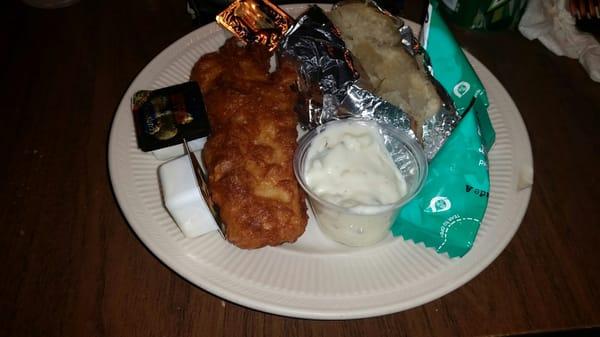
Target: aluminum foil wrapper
(332, 89)
(326, 67)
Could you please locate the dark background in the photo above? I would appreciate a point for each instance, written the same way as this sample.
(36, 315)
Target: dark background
(71, 266)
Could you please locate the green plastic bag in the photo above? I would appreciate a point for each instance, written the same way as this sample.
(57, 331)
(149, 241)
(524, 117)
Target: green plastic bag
(449, 209)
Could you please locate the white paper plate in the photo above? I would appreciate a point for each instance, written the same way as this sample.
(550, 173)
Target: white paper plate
(313, 278)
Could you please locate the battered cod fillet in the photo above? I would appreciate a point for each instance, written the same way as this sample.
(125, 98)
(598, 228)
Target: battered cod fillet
(251, 147)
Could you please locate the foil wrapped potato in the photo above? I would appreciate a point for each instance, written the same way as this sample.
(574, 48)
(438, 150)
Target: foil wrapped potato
(372, 38)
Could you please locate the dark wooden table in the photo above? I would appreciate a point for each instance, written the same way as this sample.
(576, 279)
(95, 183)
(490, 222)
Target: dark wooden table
(71, 265)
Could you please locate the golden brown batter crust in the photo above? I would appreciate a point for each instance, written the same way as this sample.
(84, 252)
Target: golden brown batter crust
(250, 150)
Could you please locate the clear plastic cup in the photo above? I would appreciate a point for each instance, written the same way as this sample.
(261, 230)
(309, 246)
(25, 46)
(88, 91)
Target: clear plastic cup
(364, 225)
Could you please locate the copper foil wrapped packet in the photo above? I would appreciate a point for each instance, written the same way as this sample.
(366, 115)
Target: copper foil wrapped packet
(256, 21)
(345, 70)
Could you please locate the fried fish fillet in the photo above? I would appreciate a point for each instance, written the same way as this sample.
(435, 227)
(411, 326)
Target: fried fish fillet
(249, 154)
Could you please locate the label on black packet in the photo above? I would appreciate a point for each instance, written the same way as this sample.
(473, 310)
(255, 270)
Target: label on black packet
(166, 116)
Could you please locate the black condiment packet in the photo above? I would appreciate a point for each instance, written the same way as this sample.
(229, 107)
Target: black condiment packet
(166, 116)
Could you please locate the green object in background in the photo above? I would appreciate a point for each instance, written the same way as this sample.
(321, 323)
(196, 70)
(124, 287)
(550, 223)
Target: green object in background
(446, 214)
(484, 14)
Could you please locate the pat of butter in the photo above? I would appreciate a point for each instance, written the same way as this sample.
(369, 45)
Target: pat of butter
(183, 199)
(525, 178)
(176, 150)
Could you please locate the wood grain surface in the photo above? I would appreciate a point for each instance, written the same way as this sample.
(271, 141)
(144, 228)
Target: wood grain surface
(71, 266)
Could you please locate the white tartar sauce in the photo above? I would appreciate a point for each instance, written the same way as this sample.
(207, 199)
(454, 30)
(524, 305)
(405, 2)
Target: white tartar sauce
(349, 166)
